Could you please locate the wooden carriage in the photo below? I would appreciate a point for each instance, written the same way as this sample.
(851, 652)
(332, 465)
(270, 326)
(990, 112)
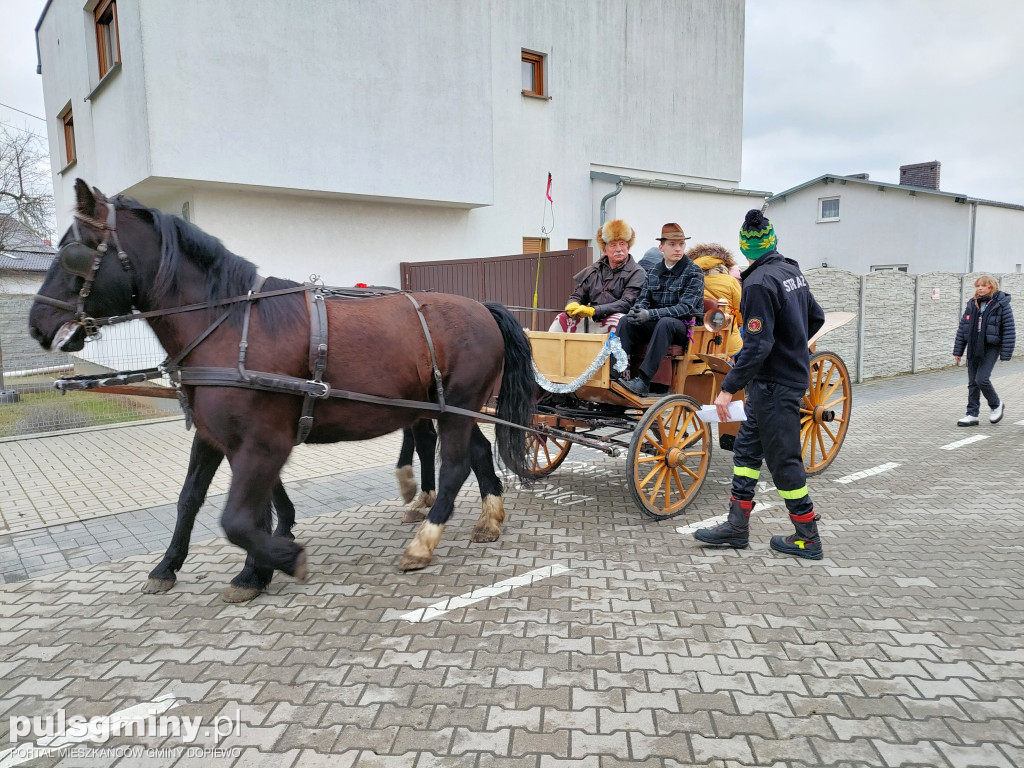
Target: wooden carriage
(667, 444)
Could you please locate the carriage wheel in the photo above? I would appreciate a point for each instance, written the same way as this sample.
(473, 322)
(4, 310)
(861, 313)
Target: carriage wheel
(545, 453)
(825, 414)
(669, 456)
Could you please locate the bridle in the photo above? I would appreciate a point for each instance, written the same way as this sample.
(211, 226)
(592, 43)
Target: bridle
(82, 261)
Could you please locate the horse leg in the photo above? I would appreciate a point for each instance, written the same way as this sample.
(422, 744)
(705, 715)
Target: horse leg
(488, 527)
(254, 578)
(202, 466)
(403, 472)
(425, 439)
(285, 512)
(246, 517)
(455, 440)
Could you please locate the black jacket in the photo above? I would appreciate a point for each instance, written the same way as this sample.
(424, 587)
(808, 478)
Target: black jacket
(779, 315)
(998, 327)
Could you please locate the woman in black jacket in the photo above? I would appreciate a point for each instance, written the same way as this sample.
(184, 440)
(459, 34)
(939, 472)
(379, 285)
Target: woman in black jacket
(986, 331)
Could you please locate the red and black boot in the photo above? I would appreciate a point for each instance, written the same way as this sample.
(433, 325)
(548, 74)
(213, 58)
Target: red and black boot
(734, 532)
(805, 542)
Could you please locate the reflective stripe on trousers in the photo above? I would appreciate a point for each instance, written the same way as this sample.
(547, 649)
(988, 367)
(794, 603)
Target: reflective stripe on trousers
(771, 434)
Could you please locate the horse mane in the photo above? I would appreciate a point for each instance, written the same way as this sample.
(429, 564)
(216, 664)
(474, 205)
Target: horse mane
(227, 274)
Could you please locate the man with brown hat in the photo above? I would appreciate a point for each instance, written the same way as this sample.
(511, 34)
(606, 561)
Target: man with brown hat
(673, 292)
(606, 290)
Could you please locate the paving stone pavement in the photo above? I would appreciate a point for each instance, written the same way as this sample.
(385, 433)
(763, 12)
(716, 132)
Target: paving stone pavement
(902, 647)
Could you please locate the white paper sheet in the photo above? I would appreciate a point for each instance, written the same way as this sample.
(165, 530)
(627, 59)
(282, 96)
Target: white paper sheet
(709, 414)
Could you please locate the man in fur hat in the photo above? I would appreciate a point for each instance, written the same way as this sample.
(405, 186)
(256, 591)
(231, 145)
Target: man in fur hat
(673, 293)
(605, 290)
(780, 314)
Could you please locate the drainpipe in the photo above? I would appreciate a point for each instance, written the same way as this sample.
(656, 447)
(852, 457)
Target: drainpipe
(970, 254)
(606, 198)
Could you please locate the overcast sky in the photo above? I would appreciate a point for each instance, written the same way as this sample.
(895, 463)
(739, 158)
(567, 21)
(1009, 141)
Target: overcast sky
(845, 86)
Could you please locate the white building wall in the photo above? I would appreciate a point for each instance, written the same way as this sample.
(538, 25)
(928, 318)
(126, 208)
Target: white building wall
(706, 217)
(927, 232)
(376, 97)
(997, 239)
(111, 126)
(359, 134)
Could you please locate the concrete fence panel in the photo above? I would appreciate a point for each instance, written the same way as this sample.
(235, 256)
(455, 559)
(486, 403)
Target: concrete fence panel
(838, 291)
(938, 311)
(887, 339)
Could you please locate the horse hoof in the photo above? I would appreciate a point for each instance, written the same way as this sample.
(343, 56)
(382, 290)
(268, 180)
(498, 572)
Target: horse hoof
(406, 483)
(410, 563)
(235, 594)
(414, 516)
(485, 533)
(157, 586)
(301, 572)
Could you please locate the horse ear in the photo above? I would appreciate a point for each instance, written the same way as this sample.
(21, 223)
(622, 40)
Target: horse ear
(100, 197)
(86, 203)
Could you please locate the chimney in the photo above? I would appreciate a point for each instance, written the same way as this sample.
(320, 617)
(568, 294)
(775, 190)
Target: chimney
(921, 175)
(858, 176)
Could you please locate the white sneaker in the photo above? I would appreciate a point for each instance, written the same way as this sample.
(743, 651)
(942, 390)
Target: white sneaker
(997, 414)
(968, 421)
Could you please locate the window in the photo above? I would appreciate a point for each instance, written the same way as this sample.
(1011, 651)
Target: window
(535, 245)
(108, 45)
(828, 209)
(889, 267)
(67, 119)
(533, 74)
(574, 244)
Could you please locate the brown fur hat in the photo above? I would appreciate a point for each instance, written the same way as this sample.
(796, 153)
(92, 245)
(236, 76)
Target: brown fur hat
(714, 250)
(617, 229)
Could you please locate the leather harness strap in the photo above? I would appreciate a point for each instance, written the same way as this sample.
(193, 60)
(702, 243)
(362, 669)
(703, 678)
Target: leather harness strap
(317, 358)
(430, 346)
(292, 385)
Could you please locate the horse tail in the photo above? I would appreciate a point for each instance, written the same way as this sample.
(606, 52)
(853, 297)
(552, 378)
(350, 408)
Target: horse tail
(515, 402)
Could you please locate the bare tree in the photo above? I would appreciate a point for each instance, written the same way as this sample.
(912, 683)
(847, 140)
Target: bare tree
(26, 194)
(26, 200)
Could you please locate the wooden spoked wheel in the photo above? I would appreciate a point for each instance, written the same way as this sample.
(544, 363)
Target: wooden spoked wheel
(669, 456)
(825, 413)
(545, 453)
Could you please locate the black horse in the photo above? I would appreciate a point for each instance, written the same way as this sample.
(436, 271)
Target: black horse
(205, 460)
(164, 264)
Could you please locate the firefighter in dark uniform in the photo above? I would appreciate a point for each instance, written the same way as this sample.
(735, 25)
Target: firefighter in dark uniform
(780, 315)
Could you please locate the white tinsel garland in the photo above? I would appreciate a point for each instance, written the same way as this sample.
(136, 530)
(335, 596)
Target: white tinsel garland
(611, 347)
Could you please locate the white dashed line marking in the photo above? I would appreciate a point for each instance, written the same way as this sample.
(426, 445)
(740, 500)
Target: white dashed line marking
(1019, 423)
(868, 472)
(482, 593)
(965, 441)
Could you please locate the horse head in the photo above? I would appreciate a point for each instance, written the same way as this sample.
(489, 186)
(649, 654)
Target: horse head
(92, 276)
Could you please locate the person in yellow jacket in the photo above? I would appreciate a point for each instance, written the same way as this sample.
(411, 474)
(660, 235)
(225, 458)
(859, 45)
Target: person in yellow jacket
(716, 261)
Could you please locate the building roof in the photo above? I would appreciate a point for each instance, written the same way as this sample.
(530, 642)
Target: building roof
(24, 251)
(881, 185)
(637, 181)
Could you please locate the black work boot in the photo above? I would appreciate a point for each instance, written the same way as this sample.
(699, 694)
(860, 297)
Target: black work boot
(734, 532)
(639, 385)
(805, 542)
